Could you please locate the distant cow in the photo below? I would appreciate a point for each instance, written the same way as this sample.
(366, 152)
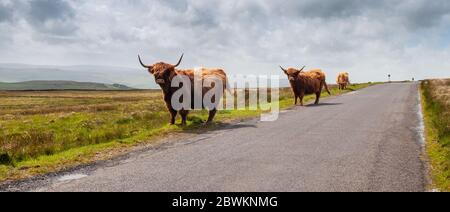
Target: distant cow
(164, 74)
(304, 83)
(343, 80)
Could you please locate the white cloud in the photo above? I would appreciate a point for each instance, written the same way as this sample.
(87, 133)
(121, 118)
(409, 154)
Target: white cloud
(368, 38)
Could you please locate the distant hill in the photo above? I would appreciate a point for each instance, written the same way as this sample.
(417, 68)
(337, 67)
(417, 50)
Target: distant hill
(133, 77)
(61, 85)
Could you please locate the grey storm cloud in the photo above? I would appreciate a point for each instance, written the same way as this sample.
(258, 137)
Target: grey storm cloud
(425, 14)
(59, 17)
(331, 9)
(179, 5)
(239, 34)
(5, 13)
(51, 16)
(44, 10)
(45, 16)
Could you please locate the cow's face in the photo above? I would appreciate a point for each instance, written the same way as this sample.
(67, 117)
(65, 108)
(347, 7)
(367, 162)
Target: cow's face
(292, 73)
(163, 72)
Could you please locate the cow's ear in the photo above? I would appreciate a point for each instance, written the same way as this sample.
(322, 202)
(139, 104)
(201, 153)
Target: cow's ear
(151, 71)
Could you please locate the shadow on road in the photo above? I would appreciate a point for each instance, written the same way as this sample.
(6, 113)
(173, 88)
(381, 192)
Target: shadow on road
(323, 104)
(200, 129)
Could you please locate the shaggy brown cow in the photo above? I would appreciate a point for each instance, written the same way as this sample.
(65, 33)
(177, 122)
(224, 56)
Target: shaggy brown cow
(304, 83)
(164, 74)
(343, 80)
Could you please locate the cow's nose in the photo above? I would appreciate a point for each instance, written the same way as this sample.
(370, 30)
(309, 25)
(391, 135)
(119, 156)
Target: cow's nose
(160, 81)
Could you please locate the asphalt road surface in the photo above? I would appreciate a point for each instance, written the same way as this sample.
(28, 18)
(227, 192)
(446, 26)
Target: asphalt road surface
(367, 140)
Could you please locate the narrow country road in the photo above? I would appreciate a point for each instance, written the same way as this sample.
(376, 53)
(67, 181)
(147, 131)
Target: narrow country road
(367, 140)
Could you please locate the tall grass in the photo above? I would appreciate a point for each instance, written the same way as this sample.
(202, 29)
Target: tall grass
(436, 101)
(28, 140)
(47, 127)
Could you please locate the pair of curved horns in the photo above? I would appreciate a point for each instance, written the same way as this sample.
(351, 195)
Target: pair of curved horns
(147, 66)
(286, 70)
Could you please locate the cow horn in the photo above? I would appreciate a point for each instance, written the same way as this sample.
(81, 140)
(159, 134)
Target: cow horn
(179, 62)
(302, 68)
(143, 65)
(283, 69)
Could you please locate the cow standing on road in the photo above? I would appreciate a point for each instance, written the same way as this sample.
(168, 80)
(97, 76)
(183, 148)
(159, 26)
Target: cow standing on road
(343, 80)
(164, 75)
(304, 83)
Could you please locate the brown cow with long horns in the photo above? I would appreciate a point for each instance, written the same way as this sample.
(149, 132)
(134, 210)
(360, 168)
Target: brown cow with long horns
(164, 75)
(304, 83)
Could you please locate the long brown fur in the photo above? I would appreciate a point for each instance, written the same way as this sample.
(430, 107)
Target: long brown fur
(305, 83)
(164, 74)
(343, 80)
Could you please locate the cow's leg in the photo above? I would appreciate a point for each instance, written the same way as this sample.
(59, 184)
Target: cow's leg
(296, 98)
(173, 116)
(184, 114)
(212, 114)
(301, 100)
(317, 97)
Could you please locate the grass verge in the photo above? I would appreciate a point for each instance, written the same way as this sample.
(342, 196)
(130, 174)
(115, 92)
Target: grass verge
(436, 110)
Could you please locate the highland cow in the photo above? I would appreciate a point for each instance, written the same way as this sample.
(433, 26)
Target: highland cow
(305, 83)
(165, 73)
(343, 80)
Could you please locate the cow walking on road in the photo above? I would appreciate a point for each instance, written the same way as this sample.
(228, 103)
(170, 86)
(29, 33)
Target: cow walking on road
(304, 83)
(165, 74)
(343, 80)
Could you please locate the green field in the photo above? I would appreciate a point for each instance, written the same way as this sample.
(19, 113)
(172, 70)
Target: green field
(436, 106)
(45, 131)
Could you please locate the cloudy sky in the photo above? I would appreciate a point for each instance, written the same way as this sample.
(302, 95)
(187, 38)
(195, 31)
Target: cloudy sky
(407, 38)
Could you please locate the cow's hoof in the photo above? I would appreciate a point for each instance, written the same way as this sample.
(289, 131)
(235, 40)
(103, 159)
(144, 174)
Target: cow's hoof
(208, 123)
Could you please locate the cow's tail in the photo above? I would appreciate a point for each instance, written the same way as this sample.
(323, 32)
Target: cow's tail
(326, 87)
